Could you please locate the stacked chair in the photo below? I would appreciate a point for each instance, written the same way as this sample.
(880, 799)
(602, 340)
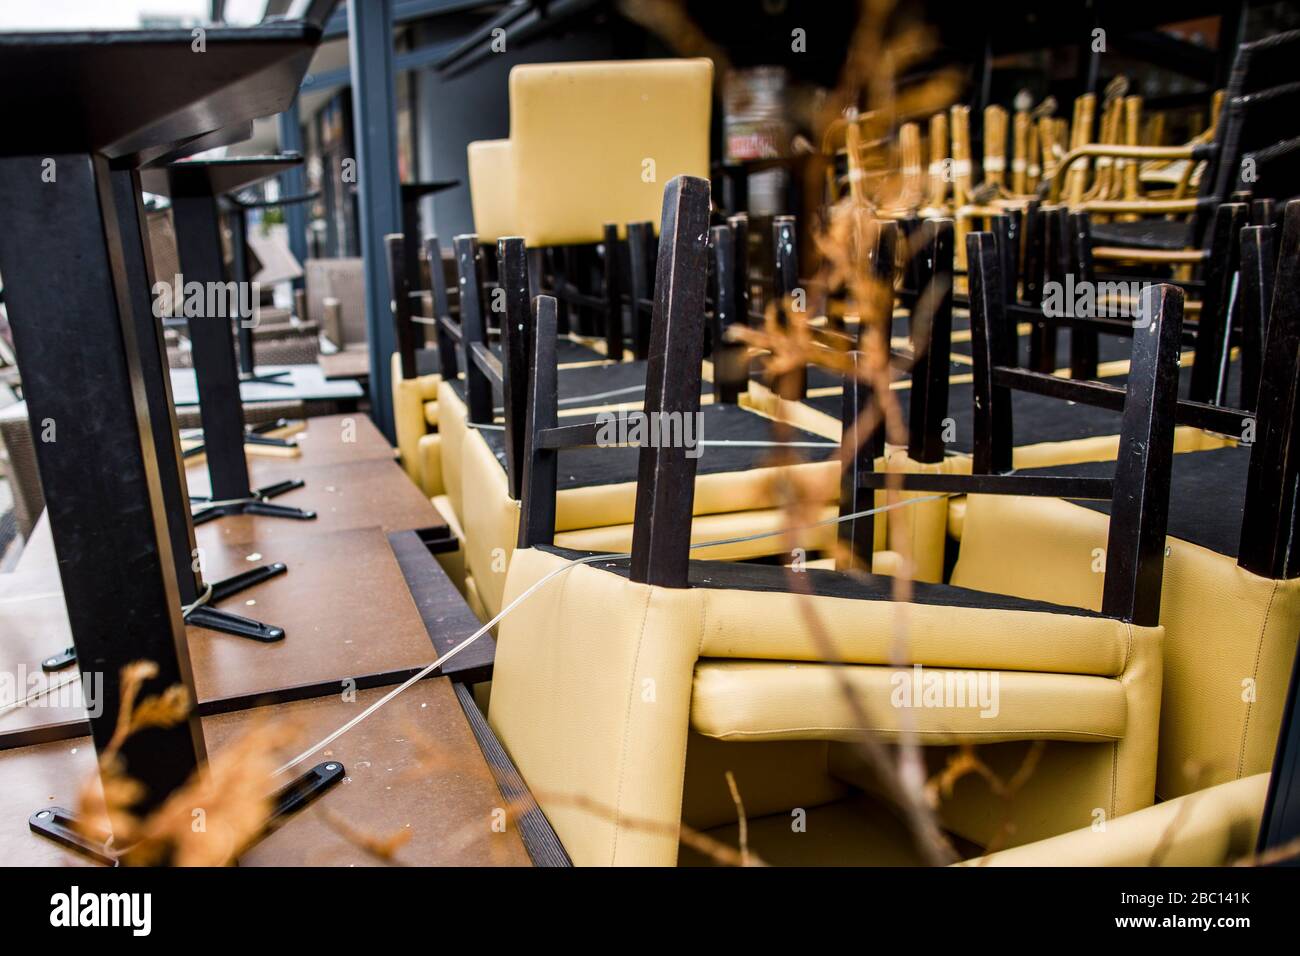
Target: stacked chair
(636, 140)
(589, 148)
(625, 686)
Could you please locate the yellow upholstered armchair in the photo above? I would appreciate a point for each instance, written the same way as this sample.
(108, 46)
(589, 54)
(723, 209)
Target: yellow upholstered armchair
(622, 668)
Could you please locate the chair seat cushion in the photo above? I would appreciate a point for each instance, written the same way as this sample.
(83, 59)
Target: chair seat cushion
(597, 467)
(749, 614)
(771, 700)
(1167, 234)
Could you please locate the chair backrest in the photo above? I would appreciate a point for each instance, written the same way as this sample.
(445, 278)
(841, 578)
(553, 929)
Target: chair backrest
(344, 280)
(491, 189)
(1270, 524)
(1058, 244)
(666, 473)
(593, 142)
(1269, 293)
(1260, 108)
(1139, 491)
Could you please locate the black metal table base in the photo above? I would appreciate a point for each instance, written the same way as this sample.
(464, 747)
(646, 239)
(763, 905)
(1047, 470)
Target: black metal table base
(254, 434)
(60, 825)
(266, 378)
(256, 503)
(203, 614)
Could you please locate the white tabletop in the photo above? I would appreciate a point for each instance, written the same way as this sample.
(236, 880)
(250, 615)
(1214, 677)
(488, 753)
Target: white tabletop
(304, 383)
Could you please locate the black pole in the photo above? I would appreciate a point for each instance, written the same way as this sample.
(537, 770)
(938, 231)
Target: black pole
(77, 341)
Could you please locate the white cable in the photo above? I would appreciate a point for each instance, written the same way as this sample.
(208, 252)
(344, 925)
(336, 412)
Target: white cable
(199, 601)
(744, 443)
(40, 692)
(589, 559)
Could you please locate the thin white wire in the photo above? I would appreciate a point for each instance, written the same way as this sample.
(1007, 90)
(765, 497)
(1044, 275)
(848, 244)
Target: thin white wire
(532, 589)
(711, 442)
(39, 692)
(743, 443)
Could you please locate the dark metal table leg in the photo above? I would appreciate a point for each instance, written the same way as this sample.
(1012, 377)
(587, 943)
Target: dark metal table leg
(110, 530)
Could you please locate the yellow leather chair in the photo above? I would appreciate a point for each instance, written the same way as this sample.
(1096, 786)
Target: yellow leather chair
(611, 667)
(1231, 604)
(593, 143)
(590, 143)
(1217, 826)
(491, 189)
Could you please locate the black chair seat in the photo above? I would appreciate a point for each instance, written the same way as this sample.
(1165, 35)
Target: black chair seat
(1035, 418)
(566, 351)
(1160, 234)
(1207, 495)
(748, 576)
(616, 383)
(589, 467)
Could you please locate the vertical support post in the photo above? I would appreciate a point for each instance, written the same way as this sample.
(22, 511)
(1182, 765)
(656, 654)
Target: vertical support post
(1084, 342)
(1213, 326)
(613, 286)
(785, 280)
(1257, 266)
(512, 274)
(77, 344)
(374, 112)
(932, 347)
(989, 349)
(1135, 546)
(730, 370)
(537, 509)
(858, 451)
(441, 310)
(293, 182)
(478, 390)
(1056, 263)
(640, 240)
(152, 352)
(238, 219)
(1034, 241)
(198, 244)
(665, 488)
(400, 307)
(1268, 519)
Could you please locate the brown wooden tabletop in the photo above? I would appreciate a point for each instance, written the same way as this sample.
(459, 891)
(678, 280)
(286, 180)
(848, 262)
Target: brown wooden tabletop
(413, 767)
(366, 494)
(345, 605)
(353, 361)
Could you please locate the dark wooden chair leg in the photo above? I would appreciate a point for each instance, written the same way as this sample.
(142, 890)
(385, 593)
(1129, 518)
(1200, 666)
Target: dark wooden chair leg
(665, 491)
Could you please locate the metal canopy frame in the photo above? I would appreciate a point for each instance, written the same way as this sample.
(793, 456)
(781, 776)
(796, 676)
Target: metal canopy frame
(370, 50)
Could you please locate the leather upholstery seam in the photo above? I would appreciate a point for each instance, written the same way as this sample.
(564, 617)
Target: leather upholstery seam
(917, 733)
(1254, 676)
(627, 725)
